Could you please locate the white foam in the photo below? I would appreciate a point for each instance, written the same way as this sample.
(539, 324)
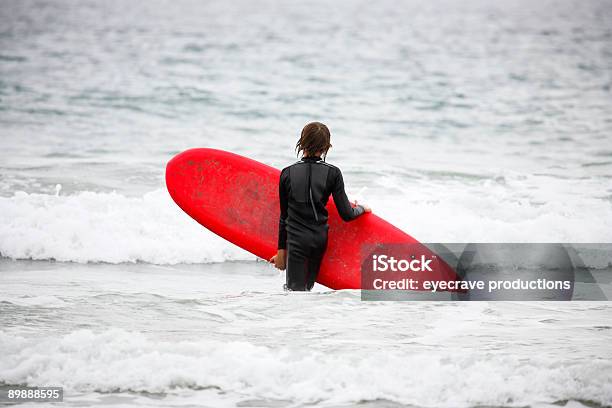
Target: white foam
(509, 207)
(107, 227)
(117, 360)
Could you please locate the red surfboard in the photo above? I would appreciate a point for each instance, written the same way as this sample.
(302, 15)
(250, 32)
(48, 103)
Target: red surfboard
(237, 198)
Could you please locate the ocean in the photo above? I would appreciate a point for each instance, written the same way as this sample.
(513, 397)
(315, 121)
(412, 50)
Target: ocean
(471, 121)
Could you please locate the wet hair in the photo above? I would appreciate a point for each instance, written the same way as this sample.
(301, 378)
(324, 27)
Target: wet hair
(314, 139)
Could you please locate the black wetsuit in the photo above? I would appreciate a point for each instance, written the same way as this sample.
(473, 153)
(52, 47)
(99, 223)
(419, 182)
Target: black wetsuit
(304, 190)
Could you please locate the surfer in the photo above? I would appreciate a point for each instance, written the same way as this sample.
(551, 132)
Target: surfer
(304, 190)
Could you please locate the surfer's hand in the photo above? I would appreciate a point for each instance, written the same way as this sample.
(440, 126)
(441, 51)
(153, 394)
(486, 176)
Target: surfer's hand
(280, 259)
(366, 208)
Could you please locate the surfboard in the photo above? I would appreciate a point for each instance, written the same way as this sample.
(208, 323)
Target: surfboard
(237, 198)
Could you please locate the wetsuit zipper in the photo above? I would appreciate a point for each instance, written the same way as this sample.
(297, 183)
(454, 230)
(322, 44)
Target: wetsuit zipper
(314, 211)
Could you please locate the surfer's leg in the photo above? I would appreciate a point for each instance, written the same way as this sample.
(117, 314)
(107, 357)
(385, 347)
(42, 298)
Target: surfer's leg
(313, 265)
(315, 257)
(297, 268)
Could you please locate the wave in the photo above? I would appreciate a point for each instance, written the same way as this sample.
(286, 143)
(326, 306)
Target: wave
(117, 360)
(114, 228)
(107, 227)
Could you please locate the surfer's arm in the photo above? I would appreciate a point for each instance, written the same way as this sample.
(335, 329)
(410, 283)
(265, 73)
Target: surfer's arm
(346, 211)
(284, 203)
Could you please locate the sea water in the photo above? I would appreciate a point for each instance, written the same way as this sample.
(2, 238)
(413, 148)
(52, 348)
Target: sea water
(469, 121)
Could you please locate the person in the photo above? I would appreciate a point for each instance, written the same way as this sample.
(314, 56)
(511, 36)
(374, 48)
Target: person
(304, 190)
